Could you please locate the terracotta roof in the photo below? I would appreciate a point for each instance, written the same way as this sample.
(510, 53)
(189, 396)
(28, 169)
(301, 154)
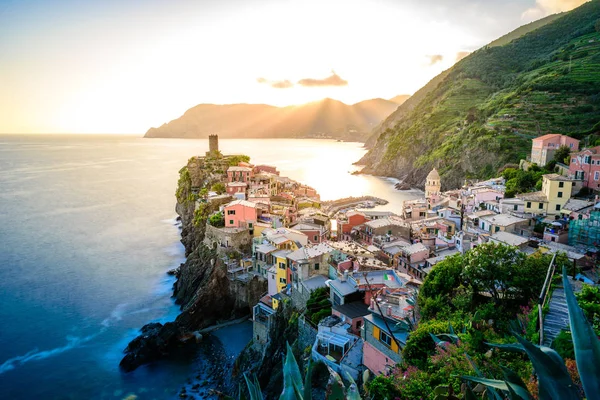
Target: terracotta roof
(548, 136)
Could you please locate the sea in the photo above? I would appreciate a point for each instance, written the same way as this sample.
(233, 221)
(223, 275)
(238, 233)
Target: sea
(88, 231)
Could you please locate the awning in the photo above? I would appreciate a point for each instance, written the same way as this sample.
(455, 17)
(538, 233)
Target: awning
(332, 338)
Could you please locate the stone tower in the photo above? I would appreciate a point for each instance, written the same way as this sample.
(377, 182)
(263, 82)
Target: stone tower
(433, 187)
(213, 144)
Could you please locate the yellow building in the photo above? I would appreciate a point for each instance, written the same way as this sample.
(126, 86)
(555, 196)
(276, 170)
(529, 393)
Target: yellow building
(280, 263)
(556, 191)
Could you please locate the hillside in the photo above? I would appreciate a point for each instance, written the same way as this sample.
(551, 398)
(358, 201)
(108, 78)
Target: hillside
(483, 112)
(325, 118)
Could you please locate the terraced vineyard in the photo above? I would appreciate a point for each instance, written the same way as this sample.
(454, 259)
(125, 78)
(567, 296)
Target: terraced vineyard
(485, 110)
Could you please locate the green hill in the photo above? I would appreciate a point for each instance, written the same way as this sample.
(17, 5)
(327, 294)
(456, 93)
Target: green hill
(482, 113)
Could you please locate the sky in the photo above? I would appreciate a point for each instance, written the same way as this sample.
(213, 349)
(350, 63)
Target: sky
(81, 66)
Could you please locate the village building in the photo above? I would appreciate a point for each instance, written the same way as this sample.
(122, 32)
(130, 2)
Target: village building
(239, 174)
(544, 147)
(337, 348)
(577, 209)
(556, 191)
(240, 214)
(393, 226)
(346, 222)
(585, 167)
(308, 269)
(433, 188)
(503, 223)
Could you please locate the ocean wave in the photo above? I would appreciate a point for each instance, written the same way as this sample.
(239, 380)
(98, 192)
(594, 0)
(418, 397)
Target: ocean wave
(35, 354)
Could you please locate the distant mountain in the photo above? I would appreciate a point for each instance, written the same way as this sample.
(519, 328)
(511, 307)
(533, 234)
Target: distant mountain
(483, 112)
(324, 118)
(400, 99)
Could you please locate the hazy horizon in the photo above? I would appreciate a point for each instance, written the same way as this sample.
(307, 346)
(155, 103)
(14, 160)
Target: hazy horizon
(123, 67)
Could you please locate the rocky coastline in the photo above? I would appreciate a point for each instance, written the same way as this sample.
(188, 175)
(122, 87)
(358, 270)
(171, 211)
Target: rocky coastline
(203, 291)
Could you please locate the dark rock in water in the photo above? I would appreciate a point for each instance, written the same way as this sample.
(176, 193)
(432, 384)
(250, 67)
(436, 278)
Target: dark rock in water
(402, 186)
(157, 341)
(174, 271)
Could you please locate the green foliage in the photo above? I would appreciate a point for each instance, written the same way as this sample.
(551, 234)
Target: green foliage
(563, 344)
(382, 387)
(519, 181)
(184, 185)
(201, 214)
(562, 154)
(420, 345)
(217, 220)
(493, 279)
(589, 301)
(236, 159)
(219, 188)
(318, 305)
(597, 26)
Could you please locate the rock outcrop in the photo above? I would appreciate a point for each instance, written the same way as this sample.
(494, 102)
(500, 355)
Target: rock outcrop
(203, 290)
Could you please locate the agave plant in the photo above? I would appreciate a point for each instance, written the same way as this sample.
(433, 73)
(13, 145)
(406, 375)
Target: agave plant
(553, 377)
(296, 388)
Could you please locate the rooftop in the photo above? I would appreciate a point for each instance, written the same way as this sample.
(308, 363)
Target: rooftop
(310, 251)
(245, 169)
(509, 239)
(540, 197)
(352, 310)
(383, 222)
(441, 256)
(237, 184)
(503, 219)
(315, 282)
(376, 320)
(265, 248)
(281, 253)
(556, 177)
(479, 214)
(415, 248)
(244, 203)
(547, 136)
(577, 205)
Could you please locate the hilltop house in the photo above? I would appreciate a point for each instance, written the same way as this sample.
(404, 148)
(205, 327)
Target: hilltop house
(585, 167)
(239, 174)
(544, 147)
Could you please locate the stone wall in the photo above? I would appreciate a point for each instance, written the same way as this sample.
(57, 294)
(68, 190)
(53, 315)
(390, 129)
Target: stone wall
(306, 333)
(300, 296)
(227, 239)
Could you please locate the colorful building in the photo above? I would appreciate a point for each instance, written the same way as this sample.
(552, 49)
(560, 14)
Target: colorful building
(585, 167)
(240, 214)
(544, 147)
(239, 174)
(433, 188)
(556, 191)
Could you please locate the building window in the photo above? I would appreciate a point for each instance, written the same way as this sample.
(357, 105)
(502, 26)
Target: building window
(230, 212)
(250, 225)
(596, 175)
(282, 280)
(528, 204)
(515, 207)
(574, 160)
(385, 338)
(230, 222)
(497, 229)
(558, 207)
(316, 266)
(587, 159)
(561, 184)
(282, 265)
(559, 194)
(315, 238)
(541, 206)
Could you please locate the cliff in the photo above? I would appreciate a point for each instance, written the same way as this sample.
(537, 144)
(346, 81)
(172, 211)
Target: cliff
(326, 118)
(203, 290)
(483, 112)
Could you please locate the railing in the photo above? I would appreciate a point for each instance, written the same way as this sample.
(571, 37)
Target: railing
(544, 296)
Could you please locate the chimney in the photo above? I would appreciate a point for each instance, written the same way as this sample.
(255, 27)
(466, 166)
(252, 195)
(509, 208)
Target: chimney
(372, 303)
(388, 311)
(345, 276)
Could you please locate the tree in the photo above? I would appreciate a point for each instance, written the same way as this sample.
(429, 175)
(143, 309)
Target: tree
(219, 187)
(562, 154)
(235, 160)
(217, 220)
(597, 25)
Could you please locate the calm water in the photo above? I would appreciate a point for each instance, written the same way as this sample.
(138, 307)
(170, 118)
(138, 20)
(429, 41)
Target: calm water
(86, 235)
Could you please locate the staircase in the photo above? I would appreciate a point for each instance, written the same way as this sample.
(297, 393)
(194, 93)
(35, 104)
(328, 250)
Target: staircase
(557, 318)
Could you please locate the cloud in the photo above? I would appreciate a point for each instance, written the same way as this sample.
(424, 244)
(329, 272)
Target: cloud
(332, 80)
(284, 84)
(461, 54)
(435, 58)
(543, 8)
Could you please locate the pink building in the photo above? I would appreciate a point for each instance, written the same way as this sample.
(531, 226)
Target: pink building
(543, 147)
(236, 187)
(585, 166)
(239, 174)
(316, 233)
(240, 214)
